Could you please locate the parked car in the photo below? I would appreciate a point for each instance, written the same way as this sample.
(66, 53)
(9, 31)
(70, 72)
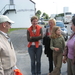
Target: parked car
(63, 28)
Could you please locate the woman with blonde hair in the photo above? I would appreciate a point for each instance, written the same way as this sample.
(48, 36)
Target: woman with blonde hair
(46, 42)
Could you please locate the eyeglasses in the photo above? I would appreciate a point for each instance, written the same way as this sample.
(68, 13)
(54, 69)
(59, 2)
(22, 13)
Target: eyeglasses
(9, 23)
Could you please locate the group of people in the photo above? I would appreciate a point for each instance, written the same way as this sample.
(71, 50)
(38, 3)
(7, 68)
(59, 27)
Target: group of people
(54, 47)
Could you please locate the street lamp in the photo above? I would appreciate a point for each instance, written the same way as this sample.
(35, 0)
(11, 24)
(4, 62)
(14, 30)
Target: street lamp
(56, 7)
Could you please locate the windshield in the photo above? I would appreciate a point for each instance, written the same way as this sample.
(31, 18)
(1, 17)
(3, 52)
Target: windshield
(60, 24)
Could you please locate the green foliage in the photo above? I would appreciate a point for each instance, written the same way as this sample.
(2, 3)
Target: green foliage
(45, 16)
(60, 15)
(13, 29)
(38, 13)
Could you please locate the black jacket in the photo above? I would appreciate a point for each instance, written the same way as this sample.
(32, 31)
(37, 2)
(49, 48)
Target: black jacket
(47, 50)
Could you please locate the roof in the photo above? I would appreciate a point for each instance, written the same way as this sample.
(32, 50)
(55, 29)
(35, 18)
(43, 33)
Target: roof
(32, 1)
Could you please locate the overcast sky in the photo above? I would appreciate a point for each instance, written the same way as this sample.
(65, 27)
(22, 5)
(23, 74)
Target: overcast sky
(54, 6)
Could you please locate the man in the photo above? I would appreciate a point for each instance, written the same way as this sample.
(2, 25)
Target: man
(7, 54)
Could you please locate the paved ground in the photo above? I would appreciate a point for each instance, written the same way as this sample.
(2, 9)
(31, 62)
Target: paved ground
(23, 63)
(23, 60)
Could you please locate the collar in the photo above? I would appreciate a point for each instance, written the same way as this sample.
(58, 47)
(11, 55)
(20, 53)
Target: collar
(4, 34)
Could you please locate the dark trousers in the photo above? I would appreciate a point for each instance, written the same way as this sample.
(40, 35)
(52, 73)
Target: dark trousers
(50, 64)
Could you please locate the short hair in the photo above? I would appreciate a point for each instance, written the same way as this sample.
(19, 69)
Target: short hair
(73, 20)
(34, 17)
(53, 20)
(53, 33)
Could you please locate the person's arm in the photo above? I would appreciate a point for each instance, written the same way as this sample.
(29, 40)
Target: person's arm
(51, 44)
(1, 68)
(73, 60)
(65, 52)
(63, 41)
(52, 47)
(39, 37)
(34, 39)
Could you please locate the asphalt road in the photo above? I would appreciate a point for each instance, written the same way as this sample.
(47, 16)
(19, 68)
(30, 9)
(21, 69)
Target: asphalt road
(19, 41)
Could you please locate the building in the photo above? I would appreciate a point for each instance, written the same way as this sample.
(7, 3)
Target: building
(20, 11)
(65, 9)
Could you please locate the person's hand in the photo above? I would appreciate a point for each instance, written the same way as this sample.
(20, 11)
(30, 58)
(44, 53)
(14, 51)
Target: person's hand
(30, 37)
(56, 49)
(64, 60)
(40, 35)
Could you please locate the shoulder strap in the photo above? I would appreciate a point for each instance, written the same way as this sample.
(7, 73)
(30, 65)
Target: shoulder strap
(46, 31)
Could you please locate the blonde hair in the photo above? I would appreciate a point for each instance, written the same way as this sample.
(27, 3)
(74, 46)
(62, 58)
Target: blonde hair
(53, 33)
(53, 20)
(34, 17)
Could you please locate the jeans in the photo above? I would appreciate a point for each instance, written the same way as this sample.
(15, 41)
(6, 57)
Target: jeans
(35, 56)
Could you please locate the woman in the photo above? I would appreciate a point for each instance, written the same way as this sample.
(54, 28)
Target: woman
(34, 36)
(69, 52)
(46, 43)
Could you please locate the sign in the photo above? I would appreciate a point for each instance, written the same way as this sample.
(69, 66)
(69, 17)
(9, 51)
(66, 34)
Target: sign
(24, 10)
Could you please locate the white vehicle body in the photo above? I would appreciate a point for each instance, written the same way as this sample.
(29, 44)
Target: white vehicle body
(67, 17)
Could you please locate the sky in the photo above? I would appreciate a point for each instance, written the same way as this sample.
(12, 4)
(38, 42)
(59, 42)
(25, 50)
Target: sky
(54, 6)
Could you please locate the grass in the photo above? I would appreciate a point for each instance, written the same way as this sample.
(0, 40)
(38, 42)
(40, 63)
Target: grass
(13, 29)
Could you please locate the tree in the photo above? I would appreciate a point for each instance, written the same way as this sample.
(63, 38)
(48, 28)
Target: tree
(45, 16)
(38, 13)
(60, 15)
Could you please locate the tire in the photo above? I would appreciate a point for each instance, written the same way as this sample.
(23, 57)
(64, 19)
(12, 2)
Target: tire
(66, 37)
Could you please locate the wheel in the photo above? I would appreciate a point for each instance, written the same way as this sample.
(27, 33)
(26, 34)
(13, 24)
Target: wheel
(66, 37)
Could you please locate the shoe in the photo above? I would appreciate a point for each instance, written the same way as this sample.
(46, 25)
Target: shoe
(48, 73)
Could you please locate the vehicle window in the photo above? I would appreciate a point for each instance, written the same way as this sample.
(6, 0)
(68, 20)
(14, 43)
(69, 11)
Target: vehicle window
(60, 24)
(69, 13)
